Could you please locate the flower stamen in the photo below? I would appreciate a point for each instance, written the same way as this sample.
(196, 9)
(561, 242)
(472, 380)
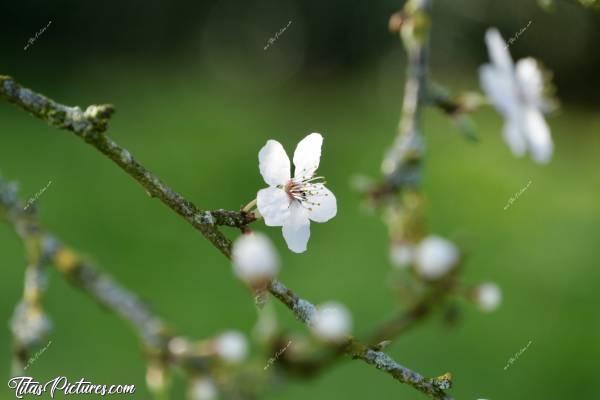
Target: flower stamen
(299, 189)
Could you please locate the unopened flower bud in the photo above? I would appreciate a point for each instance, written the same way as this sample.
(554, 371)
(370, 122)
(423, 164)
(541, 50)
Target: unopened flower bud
(435, 257)
(488, 296)
(332, 322)
(255, 260)
(231, 346)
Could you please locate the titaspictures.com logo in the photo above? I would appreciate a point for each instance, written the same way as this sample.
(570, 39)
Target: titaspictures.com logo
(25, 386)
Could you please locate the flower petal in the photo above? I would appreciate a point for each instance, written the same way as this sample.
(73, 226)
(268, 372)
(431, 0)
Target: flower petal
(308, 155)
(529, 79)
(498, 50)
(274, 163)
(499, 86)
(274, 205)
(537, 135)
(296, 229)
(325, 204)
(513, 136)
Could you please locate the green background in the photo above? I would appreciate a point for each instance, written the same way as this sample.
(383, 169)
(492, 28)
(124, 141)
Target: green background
(199, 125)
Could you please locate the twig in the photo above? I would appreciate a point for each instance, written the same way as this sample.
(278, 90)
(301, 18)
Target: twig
(401, 165)
(90, 125)
(305, 311)
(201, 220)
(387, 331)
(30, 324)
(152, 330)
(418, 312)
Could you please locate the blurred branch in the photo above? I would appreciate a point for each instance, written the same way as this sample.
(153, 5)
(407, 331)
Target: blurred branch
(401, 165)
(206, 222)
(30, 324)
(44, 247)
(418, 312)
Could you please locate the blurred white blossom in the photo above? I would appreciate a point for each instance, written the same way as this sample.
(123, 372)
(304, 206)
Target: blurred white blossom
(488, 296)
(435, 257)
(293, 202)
(332, 322)
(517, 93)
(254, 258)
(231, 346)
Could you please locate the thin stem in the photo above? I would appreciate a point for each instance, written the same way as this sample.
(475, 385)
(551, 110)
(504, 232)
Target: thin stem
(248, 207)
(401, 165)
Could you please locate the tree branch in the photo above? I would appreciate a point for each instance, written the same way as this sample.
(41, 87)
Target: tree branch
(90, 125)
(401, 165)
(305, 312)
(151, 329)
(418, 312)
(204, 221)
(30, 324)
(93, 119)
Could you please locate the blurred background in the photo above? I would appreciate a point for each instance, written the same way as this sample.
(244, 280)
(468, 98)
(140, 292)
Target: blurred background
(197, 95)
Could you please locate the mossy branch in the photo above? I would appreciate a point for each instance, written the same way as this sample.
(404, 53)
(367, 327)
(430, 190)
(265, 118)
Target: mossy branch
(305, 311)
(90, 126)
(93, 119)
(30, 324)
(206, 222)
(154, 333)
(402, 164)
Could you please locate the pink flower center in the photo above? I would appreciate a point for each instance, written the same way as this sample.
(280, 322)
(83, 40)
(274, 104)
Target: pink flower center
(304, 190)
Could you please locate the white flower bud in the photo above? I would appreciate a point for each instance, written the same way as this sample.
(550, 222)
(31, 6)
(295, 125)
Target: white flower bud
(488, 296)
(231, 346)
(254, 258)
(435, 257)
(332, 322)
(401, 255)
(203, 389)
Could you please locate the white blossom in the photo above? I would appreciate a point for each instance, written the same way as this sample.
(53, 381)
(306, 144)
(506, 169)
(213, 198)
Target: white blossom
(488, 296)
(332, 322)
(517, 93)
(254, 258)
(293, 202)
(203, 389)
(231, 346)
(435, 257)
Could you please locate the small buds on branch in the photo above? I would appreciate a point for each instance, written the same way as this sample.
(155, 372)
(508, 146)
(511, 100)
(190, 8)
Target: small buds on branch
(93, 120)
(207, 222)
(107, 292)
(90, 126)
